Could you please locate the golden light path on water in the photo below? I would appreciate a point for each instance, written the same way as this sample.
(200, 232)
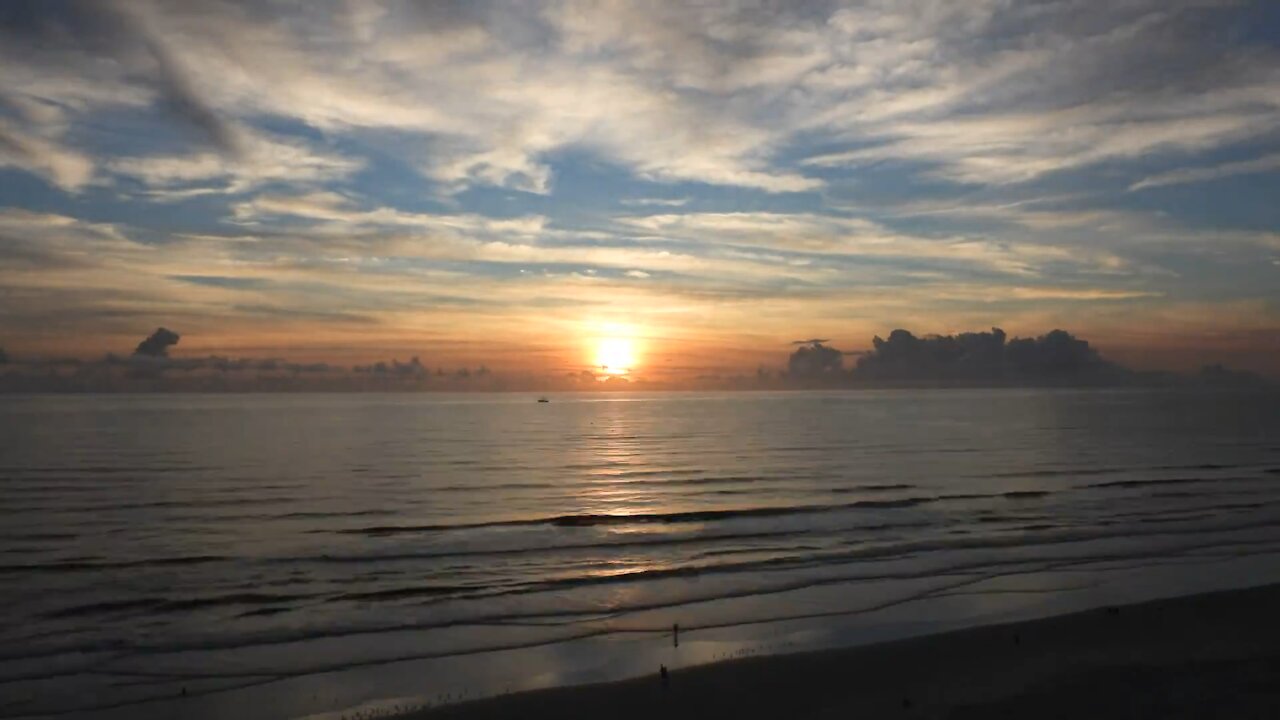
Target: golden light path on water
(614, 450)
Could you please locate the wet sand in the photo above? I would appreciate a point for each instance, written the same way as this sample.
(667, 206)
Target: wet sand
(1214, 655)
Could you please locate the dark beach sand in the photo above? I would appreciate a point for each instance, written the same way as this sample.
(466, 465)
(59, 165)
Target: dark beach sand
(1215, 655)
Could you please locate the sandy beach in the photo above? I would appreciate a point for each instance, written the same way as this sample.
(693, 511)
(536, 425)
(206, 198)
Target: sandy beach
(1213, 655)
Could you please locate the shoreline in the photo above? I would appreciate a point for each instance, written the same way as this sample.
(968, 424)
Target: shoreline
(1214, 654)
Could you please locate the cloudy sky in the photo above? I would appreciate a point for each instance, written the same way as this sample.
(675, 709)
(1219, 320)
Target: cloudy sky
(509, 183)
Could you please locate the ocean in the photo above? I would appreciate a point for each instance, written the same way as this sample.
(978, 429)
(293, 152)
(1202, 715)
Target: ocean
(267, 556)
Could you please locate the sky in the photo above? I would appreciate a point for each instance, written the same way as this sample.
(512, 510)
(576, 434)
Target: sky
(684, 188)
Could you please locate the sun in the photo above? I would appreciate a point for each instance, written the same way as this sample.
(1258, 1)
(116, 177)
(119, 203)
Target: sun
(615, 356)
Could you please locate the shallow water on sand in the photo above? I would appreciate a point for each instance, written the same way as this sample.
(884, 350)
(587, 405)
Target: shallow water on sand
(286, 555)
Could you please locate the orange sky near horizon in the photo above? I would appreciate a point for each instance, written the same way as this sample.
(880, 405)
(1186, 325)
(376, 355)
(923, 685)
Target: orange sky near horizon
(669, 354)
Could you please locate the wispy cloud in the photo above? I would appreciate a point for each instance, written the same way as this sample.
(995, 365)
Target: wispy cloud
(433, 169)
(262, 161)
(1185, 176)
(64, 167)
(655, 202)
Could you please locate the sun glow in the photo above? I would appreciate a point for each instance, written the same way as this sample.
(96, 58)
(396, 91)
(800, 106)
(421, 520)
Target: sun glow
(615, 356)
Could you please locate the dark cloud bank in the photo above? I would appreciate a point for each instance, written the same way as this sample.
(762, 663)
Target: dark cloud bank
(978, 359)
(150, 368)
(982, 359)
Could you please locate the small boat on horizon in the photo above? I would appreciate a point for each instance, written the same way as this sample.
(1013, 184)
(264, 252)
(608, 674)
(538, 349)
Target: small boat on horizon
(543, 399)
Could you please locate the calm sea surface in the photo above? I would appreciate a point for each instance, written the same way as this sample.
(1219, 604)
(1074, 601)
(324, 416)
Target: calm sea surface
(308, 555)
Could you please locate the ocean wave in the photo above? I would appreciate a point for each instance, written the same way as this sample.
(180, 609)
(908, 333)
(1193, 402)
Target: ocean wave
(597, 519)
(548, 549)
(1063, 535)
(871, 488)
(97, 565)
(168, 605)
(1058, 472)
(105, 469)
(38, 536)
(1166, 481)
(967, 570)
(996, 518)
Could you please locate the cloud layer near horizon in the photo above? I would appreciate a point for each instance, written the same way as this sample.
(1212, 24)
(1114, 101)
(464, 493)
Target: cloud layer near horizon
(508, 180)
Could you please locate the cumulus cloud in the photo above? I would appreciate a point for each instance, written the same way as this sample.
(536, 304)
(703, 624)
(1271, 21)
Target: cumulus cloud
(815, 361)
(1056, 356)
(157, 344)
(412, 368)
(969, 358)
